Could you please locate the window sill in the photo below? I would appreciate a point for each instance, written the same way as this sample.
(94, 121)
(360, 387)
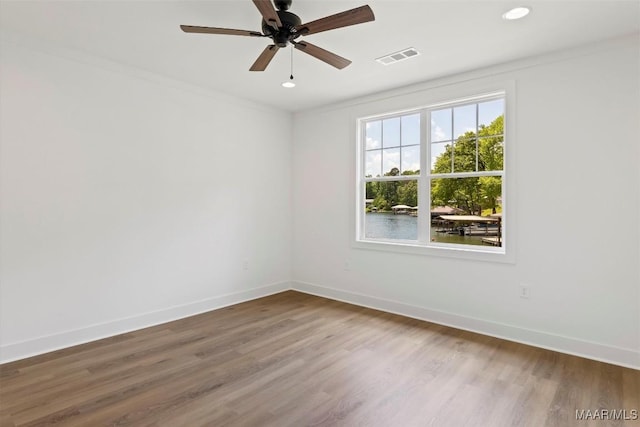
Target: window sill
(480, 253)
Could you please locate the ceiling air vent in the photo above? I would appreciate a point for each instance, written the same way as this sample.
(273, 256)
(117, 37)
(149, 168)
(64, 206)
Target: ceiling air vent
(401, 55)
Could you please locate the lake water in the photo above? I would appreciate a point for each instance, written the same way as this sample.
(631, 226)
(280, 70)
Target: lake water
(383, 225)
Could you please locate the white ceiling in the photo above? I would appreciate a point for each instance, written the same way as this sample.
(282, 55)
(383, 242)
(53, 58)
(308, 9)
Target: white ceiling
(452, 36)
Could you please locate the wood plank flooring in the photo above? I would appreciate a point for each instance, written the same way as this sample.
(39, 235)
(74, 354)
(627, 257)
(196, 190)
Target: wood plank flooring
(293, 359)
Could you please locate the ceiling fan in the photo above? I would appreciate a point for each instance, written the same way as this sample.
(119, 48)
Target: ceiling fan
(284, 27)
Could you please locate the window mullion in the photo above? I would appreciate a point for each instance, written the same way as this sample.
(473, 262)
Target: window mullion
(468, 174)
(453, 142)
(477, 134)
(381, 147)
(400, 147)
(424, 197)
(361, 167)
(391, 178)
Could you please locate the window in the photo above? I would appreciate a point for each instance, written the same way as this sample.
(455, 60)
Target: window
(448, 158)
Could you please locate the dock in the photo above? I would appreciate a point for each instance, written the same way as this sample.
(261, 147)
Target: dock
(494, 241)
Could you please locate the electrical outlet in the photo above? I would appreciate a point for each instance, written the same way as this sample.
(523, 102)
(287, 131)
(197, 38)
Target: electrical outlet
(347, 265)
(245, 265)
(525, 291)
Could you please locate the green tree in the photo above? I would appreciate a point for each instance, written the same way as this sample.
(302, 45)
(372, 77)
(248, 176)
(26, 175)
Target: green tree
(386, 194)
(472, 195)
(408, 193)
(463, 193)
(490, 146)
(408, 190)
(371, 190)
(491, 191)
(387, 191)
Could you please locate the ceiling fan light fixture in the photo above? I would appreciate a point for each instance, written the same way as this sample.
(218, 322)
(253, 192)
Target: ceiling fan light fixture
(516, 13)
(290, 83)
(284, 28)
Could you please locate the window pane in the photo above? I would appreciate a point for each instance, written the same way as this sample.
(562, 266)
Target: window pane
(472, 209)
(464, 154)
(391, 161)
(441, 125)
(391, 132)
(373, 165)
(388, 210)
(491, 153)
(441, 158)
(488, 112)
(410, 129)
(373, 134)
(464, 120)
(410, 160)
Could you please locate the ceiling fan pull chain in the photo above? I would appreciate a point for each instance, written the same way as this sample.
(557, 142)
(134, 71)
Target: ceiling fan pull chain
(291, 77)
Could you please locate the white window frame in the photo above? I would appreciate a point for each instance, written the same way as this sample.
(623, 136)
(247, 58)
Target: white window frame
(423, 246)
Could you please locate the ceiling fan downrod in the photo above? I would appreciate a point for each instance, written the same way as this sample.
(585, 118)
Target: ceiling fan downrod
(282, 4)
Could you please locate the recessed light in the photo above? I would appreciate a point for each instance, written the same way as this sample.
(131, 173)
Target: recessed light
(516, 13)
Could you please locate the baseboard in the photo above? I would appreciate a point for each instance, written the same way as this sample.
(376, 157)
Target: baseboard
(609, 354)
(590, 350)
(22, 350)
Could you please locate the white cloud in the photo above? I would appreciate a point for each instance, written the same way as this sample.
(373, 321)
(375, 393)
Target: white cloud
(437, 133)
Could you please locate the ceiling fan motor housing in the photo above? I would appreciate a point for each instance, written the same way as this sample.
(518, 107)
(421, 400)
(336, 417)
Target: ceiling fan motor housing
(283, 35)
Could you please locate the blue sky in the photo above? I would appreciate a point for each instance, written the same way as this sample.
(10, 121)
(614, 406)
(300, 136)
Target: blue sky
(394, 142)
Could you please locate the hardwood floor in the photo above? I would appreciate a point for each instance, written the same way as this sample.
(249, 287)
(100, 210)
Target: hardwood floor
(293, 359)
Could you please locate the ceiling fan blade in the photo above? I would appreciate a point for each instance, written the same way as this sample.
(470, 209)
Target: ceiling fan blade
(265, 58)
(323, 55)
(268, 12)
(213, 30)
(355, 16)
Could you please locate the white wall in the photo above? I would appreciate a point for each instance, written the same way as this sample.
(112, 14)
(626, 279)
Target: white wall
(122, 206)
(128, 200)
(576, 201)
